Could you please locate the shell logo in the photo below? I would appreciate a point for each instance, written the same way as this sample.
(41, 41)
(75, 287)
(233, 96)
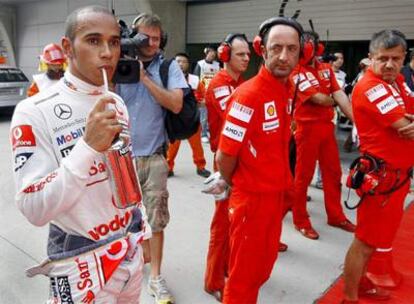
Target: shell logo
(271, 110)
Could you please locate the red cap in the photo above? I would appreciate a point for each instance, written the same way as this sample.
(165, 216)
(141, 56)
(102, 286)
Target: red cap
(53, 54)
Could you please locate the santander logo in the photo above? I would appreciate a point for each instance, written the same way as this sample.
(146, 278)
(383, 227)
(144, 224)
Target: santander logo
(119, 222)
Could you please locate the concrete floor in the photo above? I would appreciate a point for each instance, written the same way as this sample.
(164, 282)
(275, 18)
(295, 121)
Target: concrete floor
(300, 275)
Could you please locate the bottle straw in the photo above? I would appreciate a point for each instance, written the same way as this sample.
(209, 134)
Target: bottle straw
(105, 79)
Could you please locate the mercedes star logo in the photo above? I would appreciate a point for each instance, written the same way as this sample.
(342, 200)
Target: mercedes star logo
(63, 111)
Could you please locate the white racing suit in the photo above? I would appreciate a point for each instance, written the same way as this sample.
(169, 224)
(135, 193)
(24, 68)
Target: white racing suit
(94, 251)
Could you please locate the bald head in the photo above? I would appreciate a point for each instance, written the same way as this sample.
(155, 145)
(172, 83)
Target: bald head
(73, 20)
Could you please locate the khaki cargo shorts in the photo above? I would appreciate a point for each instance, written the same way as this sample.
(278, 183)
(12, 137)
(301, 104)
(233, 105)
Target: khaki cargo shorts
(153, 172)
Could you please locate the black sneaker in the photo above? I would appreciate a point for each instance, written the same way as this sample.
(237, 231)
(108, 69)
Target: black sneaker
(203, 172)
(170, 173)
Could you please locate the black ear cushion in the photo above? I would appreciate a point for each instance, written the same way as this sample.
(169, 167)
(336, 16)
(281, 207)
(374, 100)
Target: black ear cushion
(357, 179)
(372, 162)
(357, 176)
(164, 40)
(354, 163)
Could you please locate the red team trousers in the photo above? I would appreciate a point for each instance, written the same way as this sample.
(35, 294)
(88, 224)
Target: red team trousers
(255, 228)
(316, 141)
(218, 248)
(196, 148)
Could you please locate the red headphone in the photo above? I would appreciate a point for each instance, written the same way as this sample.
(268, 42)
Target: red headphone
(224, 50)
(311, 39)
(268, 24)
(307, 39)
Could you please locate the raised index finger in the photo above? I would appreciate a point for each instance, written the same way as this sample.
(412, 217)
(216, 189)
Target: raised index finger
(101, 104)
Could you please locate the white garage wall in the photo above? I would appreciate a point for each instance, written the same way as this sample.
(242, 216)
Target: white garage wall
(346, 19)
(42, 22)
(8, 33)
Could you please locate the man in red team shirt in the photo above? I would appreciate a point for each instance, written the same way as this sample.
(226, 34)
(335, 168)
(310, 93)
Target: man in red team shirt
(253, 158)
(381, 103)
(235, 54)
(317, 93)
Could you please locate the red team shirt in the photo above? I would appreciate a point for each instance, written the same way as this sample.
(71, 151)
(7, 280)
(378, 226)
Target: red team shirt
(257, 131)
(376, 106)
(320, 79)
(217, 95)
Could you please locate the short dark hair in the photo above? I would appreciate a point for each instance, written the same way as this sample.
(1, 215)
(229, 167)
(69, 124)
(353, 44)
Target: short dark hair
(71, 25)
(235, 36)
(387, 39)
(182, 54)
(208, 49)
(311, 35)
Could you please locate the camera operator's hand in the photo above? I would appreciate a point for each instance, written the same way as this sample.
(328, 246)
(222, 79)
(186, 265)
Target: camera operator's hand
(142, 73)
(101, 125)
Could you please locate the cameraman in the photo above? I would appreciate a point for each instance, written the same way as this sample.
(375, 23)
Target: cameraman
(146, 102)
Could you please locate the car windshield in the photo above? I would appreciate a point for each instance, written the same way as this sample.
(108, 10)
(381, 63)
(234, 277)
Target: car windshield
(12, 75)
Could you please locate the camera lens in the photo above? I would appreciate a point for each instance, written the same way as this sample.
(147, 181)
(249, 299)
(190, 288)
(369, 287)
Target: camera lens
(124, 69)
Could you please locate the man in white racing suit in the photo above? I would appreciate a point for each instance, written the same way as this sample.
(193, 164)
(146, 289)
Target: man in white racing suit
(58, 138)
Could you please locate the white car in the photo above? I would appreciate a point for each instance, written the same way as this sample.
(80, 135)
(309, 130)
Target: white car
(13, 86)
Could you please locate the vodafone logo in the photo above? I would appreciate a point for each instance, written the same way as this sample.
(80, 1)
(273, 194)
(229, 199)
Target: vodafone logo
(17, 133)
(117, 251)
(119, 222)
(22, 136)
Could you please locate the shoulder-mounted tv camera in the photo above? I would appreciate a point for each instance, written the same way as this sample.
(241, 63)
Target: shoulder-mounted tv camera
(128, 68)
